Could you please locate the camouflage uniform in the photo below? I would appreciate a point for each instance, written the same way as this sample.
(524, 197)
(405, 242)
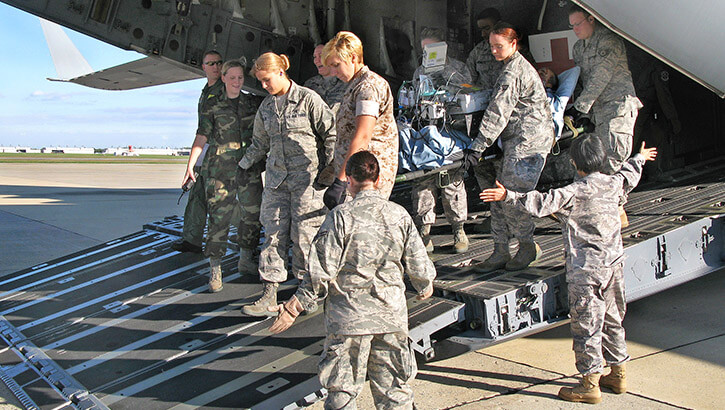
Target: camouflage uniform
(608, 93)
(519, 115)
(226, 125)
(483, 66)
(195, 211)
(357, 262)
(298, 137)
(425, 190)
(590, 225)
(331, 89)
(369, 94)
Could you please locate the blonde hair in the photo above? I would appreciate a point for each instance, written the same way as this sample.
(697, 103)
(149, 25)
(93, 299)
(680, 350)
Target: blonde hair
(344, 45)
(230, 64)
(270, 61)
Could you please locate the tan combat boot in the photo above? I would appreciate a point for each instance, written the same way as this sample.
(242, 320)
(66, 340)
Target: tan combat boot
(623, 217)
(497, 260)
(528, 252)
(425, 235)
(460, 240)
(215, 275)
(246, 264)
(616, 380)
(269, 298)
(586, 392)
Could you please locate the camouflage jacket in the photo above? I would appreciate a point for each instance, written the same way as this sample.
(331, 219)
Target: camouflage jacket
(589, 213)
(518, 112)
(206, 93)
(298, 137)
(605, 75)
(331, 89)
(228, 129)
(454, 72)
(369, 94)
(357, 262)
(483, 66)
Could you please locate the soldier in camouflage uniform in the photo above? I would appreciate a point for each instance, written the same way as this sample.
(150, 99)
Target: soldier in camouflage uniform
(225, 124)
(484, 68)
(195, 211)
(425, 190)
(330, 88)
(365, 120)
(357, 264)
(519, 115)
(589, 216)
(296, 130)
(608, 93)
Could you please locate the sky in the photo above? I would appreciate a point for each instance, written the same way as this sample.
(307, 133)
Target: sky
(37, 113)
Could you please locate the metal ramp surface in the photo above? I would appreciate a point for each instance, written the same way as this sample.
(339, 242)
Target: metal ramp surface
(128, 325)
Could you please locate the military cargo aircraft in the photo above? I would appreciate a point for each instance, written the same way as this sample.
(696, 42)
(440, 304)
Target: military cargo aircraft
(145, 335)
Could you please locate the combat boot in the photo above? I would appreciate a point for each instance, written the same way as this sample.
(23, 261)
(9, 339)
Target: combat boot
(497, 260)
(623, 217)
(586, 392)
(460, 240)
(616, 380)
(259, 307)
(528, 252)
(215, 275)
(246, 264)
(425, 235)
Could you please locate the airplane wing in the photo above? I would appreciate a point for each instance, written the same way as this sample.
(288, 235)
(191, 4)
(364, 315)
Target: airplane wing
(145, 72)
(686, 34)
(72, 67)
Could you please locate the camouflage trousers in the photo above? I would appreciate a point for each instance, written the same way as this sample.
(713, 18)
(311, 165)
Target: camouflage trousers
(453, 196)
(508, 221)
(385, 358)
(195, 213)
(597, 312)
(292, 212)
(224, 208)
(614, 126)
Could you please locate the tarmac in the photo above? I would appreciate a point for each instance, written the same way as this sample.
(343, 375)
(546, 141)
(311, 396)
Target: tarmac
(676, 338)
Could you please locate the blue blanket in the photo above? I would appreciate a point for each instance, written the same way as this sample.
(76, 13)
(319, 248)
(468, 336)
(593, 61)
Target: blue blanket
(428, 148)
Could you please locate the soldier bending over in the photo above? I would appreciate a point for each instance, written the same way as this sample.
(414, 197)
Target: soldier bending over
(356, 263)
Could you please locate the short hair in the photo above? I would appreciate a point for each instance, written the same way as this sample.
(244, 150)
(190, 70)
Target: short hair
(578, 9)
(211, 52)
(231, 64)
(489, 13)
(344, 45)
(270, 61)
(588, 154)
(363, 166)
(433, 33)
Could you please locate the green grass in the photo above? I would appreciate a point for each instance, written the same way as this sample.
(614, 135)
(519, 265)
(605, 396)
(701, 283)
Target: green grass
(89, 158)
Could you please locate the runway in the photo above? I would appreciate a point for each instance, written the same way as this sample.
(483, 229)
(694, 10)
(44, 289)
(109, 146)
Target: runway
(676, 338)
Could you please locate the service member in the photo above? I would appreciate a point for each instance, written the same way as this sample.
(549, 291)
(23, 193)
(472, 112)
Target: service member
(295, 130)
(365, 120)
(484, 68)
(519, 115)
(425, 190)
(330, 88)
(357, 263)
(608, 94)
(225, 124)
(589, 216)
(195, 212)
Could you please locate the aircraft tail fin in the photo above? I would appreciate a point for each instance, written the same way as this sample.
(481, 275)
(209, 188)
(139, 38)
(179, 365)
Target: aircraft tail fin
(69, 62)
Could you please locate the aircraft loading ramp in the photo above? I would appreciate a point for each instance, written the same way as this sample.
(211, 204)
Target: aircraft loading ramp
(129, 324)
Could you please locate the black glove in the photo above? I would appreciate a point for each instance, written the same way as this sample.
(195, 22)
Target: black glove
(471, 158)
(335, 194)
